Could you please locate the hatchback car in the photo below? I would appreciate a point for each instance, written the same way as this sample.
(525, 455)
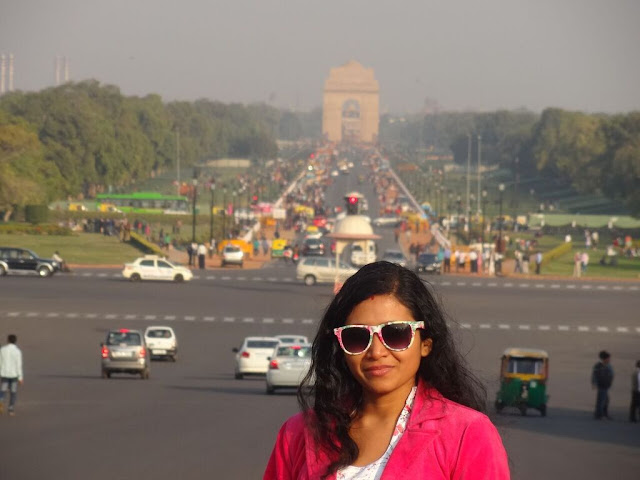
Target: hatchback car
(161, 342)
(21, 260)
(395, 256)
(312, 246)
(428, 263)
(253, 355)
(288, 365)
(232, 255)
(312, 270)
(124, 351)
(153, 267)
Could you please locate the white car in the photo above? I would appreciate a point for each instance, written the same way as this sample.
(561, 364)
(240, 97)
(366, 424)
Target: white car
(161, 342)
(312, 270)
(253, 355)
(359, 257)
(292, 339)
(288, 365)
(395, 256)
(154, 267)
(387, 221)
(232, 255)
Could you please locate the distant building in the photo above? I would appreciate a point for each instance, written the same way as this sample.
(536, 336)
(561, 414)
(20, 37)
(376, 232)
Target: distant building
(350, 110)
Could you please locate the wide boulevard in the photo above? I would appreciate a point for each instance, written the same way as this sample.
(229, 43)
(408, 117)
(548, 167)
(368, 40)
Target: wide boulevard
(193, 420)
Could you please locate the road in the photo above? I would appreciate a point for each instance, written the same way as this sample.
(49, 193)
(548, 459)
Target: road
(193, 420)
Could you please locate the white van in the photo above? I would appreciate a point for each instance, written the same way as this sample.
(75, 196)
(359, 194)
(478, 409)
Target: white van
(363, 253)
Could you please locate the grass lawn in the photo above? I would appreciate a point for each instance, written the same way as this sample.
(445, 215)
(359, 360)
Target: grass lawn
(626, 267)
(81, 248)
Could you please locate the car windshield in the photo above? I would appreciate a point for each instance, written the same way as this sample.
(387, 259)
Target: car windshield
(289, 339)
(126, 338)
(159, 333)
(394, 255)
(296, 352)
(262, 343)
(532, 366)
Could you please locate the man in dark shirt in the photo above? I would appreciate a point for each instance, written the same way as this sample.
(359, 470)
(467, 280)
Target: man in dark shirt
(601, 380)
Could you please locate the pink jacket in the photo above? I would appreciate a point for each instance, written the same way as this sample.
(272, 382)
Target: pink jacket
(443, 440)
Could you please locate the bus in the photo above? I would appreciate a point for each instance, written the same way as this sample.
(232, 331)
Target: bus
(144, 202)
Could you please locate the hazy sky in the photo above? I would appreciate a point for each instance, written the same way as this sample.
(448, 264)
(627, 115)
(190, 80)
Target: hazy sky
(466, 54)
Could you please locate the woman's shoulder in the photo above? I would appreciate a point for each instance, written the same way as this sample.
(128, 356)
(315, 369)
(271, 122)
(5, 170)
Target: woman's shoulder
(436, 406)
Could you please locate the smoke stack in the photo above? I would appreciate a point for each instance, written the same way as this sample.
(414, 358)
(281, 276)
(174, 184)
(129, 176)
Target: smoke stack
(56, 67)
(3, 72)
(11, 72)
(66, 69)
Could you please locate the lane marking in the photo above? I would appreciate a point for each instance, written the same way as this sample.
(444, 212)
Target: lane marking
(149, 317)
(524, 327)
(583, 329)
(211, 277)
(71, 315)
(524, 285)
(555, 285)
(544, 327)
(461, 284)
(110, 316)
(563, 328)
(508, 285)
(226, 278)
(504, 326)
(170, 317)
(268, 320)
(622, 329)
(540, 285)
(287, 320)
(602, 329)
(51, 315)
(248, 320)
(209, 319)
(189, 318)
(130, 316)
(493, 284)
(465, 325)
(229, 319)
(485, 325)
(309, 321)
(32, 314)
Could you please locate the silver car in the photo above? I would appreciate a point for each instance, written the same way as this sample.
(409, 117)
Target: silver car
(124, 351)
(312, 270)
(288, 366)
(395, 256)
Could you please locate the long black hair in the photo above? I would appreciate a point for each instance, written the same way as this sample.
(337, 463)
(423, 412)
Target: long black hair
(331, 392)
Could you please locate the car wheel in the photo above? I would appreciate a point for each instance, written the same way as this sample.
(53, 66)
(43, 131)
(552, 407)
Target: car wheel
(135, 277)
(145, 374)
(523, 410)
(44, 272)
(238, 376)
(3, 271)
(309, 280)
(173, 358)
(270, 390)
(178, 278)
(543, 409)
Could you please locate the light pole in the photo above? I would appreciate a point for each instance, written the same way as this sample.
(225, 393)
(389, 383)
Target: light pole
(212, 188)
(233, 210)
(484, 212)
(195, 196)
(479, 156)
(459, 203)
(467, 212)
(500, 248)
(224, 213)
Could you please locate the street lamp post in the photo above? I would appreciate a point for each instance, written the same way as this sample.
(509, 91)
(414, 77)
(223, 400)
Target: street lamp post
(193, 221)
(500, 247)
(459, 204)
(484, 212)
(233, 210)
(224, 213)
(212, 187)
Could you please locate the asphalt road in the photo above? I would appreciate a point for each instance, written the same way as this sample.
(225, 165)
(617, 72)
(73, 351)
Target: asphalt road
(193, 420)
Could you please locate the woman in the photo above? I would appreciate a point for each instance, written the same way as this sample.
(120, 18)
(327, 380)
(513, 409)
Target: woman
(392, 398)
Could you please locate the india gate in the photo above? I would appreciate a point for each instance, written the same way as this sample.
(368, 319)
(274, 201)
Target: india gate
(350, 106)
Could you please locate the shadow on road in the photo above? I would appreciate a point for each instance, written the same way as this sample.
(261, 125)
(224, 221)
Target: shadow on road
(578, 424)
(254, 391)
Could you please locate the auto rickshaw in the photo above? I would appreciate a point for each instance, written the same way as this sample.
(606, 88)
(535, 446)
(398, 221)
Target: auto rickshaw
(523, 379)
(277, 247)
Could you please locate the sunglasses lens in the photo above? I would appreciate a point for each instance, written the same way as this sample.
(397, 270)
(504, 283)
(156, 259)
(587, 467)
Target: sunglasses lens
(355, 339)
(397, 336)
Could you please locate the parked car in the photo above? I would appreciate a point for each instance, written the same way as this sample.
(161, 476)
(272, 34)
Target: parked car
(162, 342)
(387, 221)
(312, 270)
(312, 246)
(232, 255)
(124, 351)
(253, 355)
(428, 263)
(288, 365)
(395, 256)
(21, 260)
(292, 339)
(153, 267)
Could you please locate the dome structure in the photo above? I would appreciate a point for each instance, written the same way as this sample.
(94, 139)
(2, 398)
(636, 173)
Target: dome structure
(356, 225)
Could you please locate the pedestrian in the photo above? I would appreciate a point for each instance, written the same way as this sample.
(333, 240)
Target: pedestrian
(212, 247)
(10, 373)
(460, 260)
(577, 267)
(538, 260)
(447, 260)
(525, 262)
(390, 399)
(256, 247)
(473, 261)
(584, 262)
(518, 266)
(635, 394)
(202, 254)
(601, 380)
(191, 254)
(265, 246)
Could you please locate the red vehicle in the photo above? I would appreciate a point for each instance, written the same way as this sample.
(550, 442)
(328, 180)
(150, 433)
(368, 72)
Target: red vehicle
(320, 221)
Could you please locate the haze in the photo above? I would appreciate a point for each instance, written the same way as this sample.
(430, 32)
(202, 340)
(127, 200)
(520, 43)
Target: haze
(572, 54)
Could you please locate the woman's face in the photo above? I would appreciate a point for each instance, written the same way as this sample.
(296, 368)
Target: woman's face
(378, 370)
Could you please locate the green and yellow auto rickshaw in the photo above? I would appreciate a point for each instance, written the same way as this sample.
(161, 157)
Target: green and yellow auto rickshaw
(523, 380)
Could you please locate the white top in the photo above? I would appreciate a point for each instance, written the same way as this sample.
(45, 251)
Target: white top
(10, 362)
(374, 470)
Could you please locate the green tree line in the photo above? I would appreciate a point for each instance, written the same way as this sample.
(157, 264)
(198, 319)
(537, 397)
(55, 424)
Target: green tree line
(80, 138)
(593, 153)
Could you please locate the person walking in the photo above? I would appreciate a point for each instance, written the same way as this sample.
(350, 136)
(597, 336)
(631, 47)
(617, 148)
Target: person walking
(577, 267)
(538, 262)
(447, 260)
(10, 373)
(202, 254)
(601, 380)
(635, 394)
(584, 262)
